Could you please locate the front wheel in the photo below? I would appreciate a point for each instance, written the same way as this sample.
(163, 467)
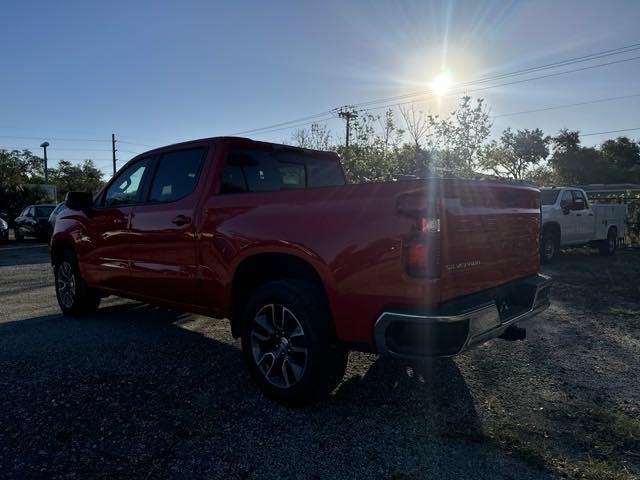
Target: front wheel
(74, 297)
(286, 343)
(549, 247)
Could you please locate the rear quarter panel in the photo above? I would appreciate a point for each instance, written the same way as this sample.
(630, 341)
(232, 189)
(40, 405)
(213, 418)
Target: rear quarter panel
(351, 235)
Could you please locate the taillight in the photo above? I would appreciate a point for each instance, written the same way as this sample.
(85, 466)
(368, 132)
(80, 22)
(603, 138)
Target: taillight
(421, 248)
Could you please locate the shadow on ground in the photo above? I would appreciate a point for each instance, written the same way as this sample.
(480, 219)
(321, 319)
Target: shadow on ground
(137, 391)
(26, 252)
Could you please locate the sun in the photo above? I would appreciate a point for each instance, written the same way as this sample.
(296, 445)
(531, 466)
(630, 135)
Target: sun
(441, 83)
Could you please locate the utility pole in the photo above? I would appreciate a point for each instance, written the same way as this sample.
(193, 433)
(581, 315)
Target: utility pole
(44, 145)
(347, 114)
(113, 151)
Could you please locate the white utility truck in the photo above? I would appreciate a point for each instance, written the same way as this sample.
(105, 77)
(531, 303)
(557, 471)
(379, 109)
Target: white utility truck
(570, 219)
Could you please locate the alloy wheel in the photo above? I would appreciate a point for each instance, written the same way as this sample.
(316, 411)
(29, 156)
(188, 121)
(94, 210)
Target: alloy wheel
(278, 345)
(66, 284)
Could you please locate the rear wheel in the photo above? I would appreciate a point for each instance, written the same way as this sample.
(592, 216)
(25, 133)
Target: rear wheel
(608, 247)
(286, 343)
(74, 297)
(549, 246)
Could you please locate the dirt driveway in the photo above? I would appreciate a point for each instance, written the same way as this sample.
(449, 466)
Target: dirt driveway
(141, 392)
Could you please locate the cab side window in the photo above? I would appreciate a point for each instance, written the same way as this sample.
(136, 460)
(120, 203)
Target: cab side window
(579, 202)
(126, 188)
(177, 175)
(566, 201)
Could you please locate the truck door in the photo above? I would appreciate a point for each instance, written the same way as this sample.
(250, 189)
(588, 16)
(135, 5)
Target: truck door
(568, 227)
(164, 262)
(584, 219)
(106, 263)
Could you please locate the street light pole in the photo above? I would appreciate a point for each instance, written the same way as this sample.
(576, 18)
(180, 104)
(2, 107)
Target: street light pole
(44, 145)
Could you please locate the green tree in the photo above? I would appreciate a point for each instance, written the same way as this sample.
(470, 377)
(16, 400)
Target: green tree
(457, 139)
(84, 177)
(18, 168)
(515, 155)
(622, 157)
(575, 164)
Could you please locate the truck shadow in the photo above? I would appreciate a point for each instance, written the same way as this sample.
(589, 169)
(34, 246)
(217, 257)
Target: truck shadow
(137, 390)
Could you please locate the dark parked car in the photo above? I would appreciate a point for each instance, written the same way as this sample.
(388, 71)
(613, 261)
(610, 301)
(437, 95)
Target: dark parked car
(52, 218)
(33, 221)
(4, 227)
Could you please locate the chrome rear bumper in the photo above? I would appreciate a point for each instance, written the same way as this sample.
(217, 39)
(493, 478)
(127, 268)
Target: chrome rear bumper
(411, 335)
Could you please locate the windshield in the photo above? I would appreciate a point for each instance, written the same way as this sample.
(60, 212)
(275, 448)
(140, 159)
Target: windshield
(44, 211)
(548, 197)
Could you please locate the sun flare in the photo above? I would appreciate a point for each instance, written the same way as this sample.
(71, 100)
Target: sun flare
(441, 83)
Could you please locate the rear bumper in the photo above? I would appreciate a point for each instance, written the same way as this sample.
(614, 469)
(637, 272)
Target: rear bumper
(461, 324)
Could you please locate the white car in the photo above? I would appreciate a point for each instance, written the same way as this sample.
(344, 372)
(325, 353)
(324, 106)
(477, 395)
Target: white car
(570, 219)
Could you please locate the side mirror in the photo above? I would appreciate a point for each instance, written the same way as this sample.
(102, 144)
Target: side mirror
(566, 209)
(79, 201)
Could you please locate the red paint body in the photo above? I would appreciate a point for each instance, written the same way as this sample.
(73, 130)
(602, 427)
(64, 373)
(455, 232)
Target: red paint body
(352, 236)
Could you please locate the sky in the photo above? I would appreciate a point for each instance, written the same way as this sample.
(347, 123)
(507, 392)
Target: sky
(159, 72)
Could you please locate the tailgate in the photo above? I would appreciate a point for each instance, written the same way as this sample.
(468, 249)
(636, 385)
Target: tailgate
(490, 235)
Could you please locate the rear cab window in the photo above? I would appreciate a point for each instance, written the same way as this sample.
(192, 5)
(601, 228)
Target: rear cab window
(548, 197)
(257, 170)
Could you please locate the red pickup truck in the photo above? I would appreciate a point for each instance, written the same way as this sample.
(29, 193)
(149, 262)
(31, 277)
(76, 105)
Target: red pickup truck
(305, 266)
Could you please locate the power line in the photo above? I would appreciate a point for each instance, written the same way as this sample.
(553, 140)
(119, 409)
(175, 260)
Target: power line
(309, 117)
(566, 105)
(136, 143)
(609, 131)
(513, 82)
(58, 139)
(570, 61)
(289, 127)
(460, 87)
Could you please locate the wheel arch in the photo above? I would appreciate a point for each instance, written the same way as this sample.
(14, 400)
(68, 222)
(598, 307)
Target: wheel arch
(260, 268)
(58, 246)
(554, 227)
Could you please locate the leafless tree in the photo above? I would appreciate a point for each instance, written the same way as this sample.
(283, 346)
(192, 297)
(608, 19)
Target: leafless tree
(416, 126)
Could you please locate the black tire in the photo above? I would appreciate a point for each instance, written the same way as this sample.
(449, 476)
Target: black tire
(609, 246)
(549, 246)
(298, 378)
(74, 297)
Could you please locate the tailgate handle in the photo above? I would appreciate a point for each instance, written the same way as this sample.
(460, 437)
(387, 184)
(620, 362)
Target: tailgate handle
(181, 220)
(578, 214)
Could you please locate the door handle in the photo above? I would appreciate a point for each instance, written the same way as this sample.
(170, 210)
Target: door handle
(591, 214)
(578, 214)
(119, 221)
(181, 220)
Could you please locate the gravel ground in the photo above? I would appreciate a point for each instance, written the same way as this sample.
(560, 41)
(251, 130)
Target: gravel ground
(141, 392)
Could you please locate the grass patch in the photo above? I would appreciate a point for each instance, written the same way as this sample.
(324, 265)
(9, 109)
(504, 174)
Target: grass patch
(591, 470)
